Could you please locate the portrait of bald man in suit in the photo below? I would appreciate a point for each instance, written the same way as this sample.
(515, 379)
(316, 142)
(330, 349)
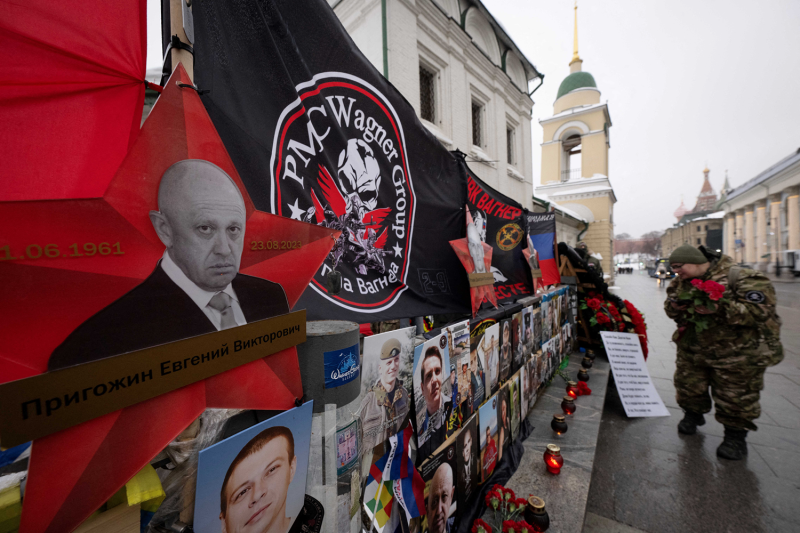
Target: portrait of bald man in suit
(196, 286)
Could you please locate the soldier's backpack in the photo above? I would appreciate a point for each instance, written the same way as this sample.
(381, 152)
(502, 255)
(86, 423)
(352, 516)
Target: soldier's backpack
(770, 330)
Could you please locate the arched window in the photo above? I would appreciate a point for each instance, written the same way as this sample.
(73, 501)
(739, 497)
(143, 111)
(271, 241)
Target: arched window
(572, 158)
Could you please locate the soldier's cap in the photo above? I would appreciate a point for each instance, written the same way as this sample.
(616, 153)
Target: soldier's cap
(581, 246)
(452, 368)
(687, 253)
(391, 348)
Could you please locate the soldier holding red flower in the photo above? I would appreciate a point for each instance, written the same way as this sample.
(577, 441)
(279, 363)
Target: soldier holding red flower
(728, 334)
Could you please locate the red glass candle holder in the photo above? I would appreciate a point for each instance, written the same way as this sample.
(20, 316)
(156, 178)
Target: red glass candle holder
(586, 363)
(583, 375)
(553, 460)
(572, 389)
(568, 405)
(591, 355)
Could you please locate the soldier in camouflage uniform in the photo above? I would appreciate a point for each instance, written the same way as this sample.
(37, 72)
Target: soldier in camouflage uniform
(386, 404)
(730, 356)
(591, 261)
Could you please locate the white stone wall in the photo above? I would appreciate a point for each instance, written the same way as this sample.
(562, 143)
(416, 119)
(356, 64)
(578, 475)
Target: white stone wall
(567, 232)
(420, 32)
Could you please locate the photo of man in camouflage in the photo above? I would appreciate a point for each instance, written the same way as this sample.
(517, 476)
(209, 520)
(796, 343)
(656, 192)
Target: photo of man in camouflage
(386, 403)
(730, 357)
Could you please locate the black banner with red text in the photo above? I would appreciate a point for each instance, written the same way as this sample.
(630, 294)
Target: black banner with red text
(318, 134)
(501, 223)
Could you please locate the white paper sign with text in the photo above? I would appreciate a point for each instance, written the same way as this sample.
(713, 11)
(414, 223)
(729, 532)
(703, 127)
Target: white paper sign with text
(636, 390)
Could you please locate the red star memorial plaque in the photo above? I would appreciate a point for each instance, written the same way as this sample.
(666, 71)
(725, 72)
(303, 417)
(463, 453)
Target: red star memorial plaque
(476, 256)
(63, 260)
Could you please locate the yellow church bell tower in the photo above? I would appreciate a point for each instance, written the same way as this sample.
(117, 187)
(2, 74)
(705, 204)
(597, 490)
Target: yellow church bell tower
(575, 157)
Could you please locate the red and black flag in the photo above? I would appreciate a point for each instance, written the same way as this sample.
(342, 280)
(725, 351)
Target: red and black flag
(542, 231)
(319, 135)
(502, 225)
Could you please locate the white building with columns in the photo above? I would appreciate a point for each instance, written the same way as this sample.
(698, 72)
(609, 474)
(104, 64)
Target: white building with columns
(762, 216)
(464, 76)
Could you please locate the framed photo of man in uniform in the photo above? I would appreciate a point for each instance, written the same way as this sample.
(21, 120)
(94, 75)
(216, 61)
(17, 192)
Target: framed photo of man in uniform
(547, 319)
(517, 342)
(256, 479)
(463, 385)
(488, 344)
(527, 332)
(487, 422)
(514, 404)
(506, 349)
(538, 372)
(547, 360)
(432, 401)
(536, 318)
(473, 376)
(534, 380)
(386, 384)
(524, 390)
(468, 461)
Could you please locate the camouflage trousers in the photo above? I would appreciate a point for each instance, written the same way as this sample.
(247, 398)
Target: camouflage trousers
(735, 389)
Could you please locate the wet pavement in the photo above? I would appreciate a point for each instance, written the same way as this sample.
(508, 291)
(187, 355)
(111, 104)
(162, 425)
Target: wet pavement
(647, 477)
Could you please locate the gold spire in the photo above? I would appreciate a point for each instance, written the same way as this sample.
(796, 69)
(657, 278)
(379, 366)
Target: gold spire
(575, 56)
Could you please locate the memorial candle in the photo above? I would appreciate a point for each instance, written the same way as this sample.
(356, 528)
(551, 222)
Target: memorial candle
(552, 459)
(559, 424)
(536, 514)
(572, 389)
(568, 405)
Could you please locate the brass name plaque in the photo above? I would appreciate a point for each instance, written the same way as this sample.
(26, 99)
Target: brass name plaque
(479, 280)
(40, 405)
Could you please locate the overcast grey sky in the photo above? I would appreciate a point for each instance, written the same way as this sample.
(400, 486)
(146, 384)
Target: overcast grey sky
(688, 83)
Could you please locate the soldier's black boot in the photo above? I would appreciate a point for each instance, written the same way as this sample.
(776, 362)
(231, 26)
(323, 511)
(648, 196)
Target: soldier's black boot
(733, 447)
(688, 426)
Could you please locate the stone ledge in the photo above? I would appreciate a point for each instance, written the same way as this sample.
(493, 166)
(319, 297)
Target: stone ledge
(566, 494)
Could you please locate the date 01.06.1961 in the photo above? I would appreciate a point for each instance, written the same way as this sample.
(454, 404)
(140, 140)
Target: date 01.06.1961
(51, 251)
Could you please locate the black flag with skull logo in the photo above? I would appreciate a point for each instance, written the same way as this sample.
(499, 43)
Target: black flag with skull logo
(319, 135)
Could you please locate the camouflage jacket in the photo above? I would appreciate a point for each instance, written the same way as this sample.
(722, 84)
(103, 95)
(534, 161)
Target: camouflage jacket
(383, 413)
(744, 327)
(595, 263)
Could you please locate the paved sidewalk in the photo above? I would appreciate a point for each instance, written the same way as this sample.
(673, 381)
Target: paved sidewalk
(648, 477)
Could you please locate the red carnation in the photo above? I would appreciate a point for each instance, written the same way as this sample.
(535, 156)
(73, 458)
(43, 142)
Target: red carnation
(508, 494)
(593, 303)
(509, 526)
(493, 499)
(521, 504)
(524, 527)
(583, 389)
(479, 526)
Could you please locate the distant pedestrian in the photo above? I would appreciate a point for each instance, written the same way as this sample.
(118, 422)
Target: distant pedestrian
(730, 356)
